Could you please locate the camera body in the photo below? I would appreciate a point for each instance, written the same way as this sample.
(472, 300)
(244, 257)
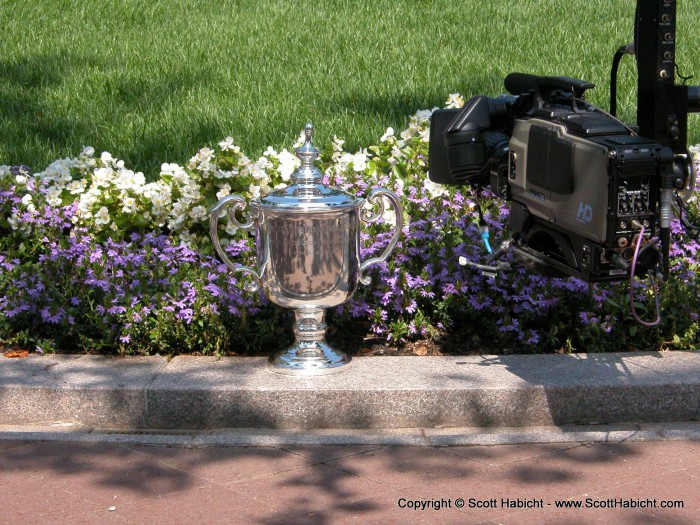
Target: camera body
(591, 197)
(577, 178)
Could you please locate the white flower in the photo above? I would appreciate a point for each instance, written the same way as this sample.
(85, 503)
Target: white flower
(27, 199)
(178, 214)
(88, 151)
(424, 115)
(187, 239)
(337, 144)
(435, 190)
(254, 191)
(359, 161)
(102, 216)
(263, 163)
(59, 172)
(454, 100)
(160, 213)
(76, 186)
(161, 188)
(21, 179)
(53, 197)
(106, 158)
(202, 161)
(190, 192)
(85, 204)
(389, 217)
(129, 205)
(219, 174)
(344, 160)
(257, 169)
(161, 200)
(128, 180)
(13, 220)
(410, 131)
(223, 192)
(175, 171)
(198, 213)
(288, 163)
(101, 177)
(244, 162)
(87, 163)
(228, 145)
(389, 134)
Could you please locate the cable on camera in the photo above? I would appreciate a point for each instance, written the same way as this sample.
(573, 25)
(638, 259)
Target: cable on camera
(622, 51)
(483, 226)
(652, 282)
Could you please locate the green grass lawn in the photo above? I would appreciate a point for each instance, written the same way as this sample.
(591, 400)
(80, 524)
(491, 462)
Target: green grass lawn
(154, 80)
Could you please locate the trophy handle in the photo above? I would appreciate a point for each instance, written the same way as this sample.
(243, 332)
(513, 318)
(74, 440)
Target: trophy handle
(376, 197)
(232, 203)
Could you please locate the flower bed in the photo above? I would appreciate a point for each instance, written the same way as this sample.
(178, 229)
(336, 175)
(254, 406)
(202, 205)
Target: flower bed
(93, 258)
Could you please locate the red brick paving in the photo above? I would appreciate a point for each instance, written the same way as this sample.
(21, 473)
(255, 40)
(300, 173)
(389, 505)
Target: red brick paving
(62, 483)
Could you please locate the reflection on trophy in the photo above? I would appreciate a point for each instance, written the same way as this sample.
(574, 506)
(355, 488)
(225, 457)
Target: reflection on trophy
(308, 254)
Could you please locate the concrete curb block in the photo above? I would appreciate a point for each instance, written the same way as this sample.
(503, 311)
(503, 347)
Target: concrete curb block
(198, 393)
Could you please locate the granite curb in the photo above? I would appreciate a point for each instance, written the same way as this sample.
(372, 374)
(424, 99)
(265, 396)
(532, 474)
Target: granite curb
(411, 437)
(374, 393)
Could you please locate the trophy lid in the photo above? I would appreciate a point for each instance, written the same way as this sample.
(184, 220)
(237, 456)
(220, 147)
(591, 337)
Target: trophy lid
(307, 191)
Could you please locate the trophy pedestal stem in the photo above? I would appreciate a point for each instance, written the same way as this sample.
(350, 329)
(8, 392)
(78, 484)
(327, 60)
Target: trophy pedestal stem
(310, 355)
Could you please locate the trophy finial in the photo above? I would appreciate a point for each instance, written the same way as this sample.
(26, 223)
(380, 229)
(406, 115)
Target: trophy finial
(307, 153)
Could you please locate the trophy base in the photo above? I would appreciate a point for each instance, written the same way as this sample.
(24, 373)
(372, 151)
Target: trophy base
(316, 359)
(310, 355)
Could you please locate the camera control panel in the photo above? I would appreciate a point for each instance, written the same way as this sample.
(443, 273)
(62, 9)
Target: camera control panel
(634, 205)
(633, 202)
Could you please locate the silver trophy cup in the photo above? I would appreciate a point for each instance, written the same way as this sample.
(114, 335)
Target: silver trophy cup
(308, 255)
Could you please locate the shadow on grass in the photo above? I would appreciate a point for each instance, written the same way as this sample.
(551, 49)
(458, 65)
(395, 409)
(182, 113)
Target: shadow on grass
(37, 118)
(25, 85)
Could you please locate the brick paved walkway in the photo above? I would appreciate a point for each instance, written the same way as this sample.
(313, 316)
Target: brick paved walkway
(78, 483)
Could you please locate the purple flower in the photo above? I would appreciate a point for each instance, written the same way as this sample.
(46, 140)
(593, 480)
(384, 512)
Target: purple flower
(185, 314)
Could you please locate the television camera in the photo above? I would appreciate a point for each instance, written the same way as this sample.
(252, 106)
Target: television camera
(591, 197)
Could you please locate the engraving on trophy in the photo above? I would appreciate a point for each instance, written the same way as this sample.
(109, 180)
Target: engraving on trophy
(310, 257)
